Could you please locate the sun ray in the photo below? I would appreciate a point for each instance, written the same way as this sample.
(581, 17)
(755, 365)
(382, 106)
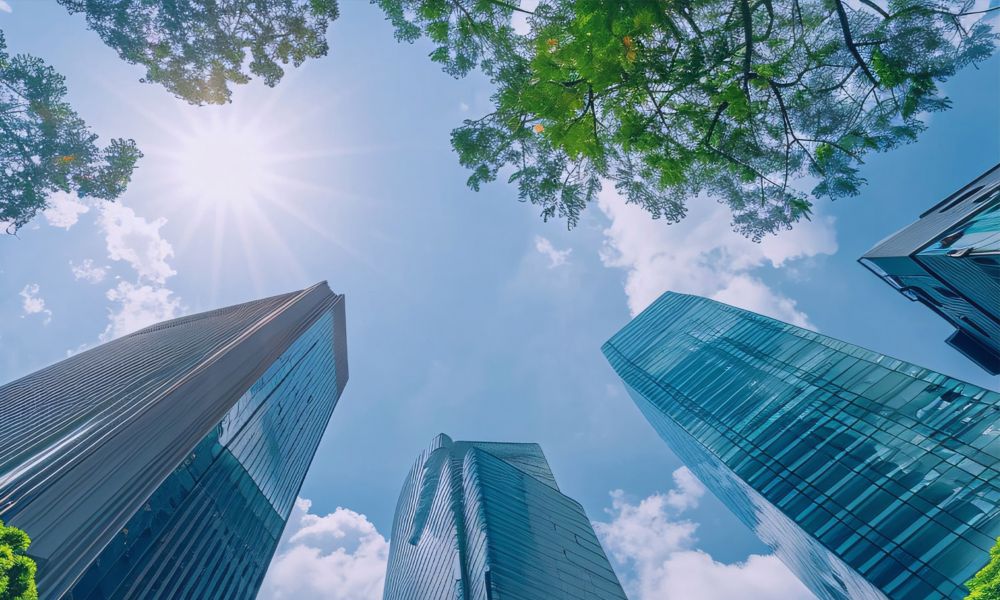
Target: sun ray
(250, 246)
(240, 182)
(301, 218)
(218, 248)
(275, 242)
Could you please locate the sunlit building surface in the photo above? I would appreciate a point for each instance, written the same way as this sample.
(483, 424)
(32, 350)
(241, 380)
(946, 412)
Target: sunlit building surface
(486, 521)
(164, 464)
(869, 476)
(949, 260)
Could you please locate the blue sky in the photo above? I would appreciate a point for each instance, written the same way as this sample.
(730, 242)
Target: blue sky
(466, 313)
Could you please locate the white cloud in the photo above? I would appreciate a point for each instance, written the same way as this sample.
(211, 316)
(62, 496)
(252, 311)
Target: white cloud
(462, 106)
(702, 255)
(651, 542)
(694, 575)
(64, 209)
(138, 242)
(87, 271)
(339, 556)
(32, 303)
(5, 7)
(689, 490)
(139, 305)
(556, 258)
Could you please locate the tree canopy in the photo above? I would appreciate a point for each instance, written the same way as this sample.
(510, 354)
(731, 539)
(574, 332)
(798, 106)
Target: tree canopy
(45, 147)
(739, 99)
(196, 48)
(986, 583)
(17, 571)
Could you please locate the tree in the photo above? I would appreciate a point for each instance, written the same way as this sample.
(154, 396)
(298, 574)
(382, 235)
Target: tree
(667, 100)
(196, 48)
(17, 571)
(986, 583)
(45, 147)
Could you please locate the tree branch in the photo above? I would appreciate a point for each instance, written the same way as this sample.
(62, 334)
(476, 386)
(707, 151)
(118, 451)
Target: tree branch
(748, 43)
(875, 7)
(849, 40)
(511, 7)
(711, 128)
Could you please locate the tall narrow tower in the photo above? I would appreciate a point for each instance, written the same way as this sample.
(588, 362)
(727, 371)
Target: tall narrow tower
(869, 476)
(486, 521)
(949, 261)
(164, 464)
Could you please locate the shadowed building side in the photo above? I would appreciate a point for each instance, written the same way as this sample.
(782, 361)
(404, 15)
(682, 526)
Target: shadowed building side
(870, 477)
(165, 463)
(485, 521)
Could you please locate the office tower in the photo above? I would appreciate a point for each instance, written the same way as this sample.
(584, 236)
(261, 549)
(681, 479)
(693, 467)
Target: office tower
(486, 521)
(949, 260)
(164, 464)
(869, 476)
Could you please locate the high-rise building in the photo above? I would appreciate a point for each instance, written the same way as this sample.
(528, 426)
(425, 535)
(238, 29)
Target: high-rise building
(486, 521)
(870, 477)
(949, 260)
(165, 463)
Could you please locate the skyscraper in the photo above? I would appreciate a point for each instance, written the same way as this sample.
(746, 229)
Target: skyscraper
(869, 476)
(164, 464)
(486, 521)
(949, 260)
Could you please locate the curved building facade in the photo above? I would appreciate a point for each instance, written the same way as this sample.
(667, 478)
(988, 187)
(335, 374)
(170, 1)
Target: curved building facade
(870, 477)
(164, 464)
(486, 521)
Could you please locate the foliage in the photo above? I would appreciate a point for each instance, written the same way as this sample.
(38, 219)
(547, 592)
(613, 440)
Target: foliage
(736, 98)
(45, 147)
(196, 48)
(17, 571)
(986, 583)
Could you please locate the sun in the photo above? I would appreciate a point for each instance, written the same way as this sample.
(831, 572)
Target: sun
(229, 162)
(236, 179)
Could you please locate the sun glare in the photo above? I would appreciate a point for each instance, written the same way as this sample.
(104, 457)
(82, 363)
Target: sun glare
(227, 162)
(230, 176)
(238, 178)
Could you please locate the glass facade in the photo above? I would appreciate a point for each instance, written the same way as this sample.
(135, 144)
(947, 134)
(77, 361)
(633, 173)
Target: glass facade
(486, 521)
(949, 260)
(209, 526)
(869, 476)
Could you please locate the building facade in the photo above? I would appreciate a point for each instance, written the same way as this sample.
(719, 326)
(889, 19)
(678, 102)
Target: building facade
(486, 521)
(870, 477)
(949, 260)
(165, 463)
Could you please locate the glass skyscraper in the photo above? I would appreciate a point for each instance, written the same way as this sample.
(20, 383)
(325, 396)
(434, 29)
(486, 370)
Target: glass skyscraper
(164, 464)
(869, 476)
(486, 521)
(949, 260)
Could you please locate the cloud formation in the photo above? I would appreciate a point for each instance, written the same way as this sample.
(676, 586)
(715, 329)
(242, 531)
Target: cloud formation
(702, 255)
(139, 305)
(688, 490)
(338, 556)
(32, 303)
(556, 257)
(656, 546)
(5, 7)
(87, 271)
(137, 242)
(64, 209)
